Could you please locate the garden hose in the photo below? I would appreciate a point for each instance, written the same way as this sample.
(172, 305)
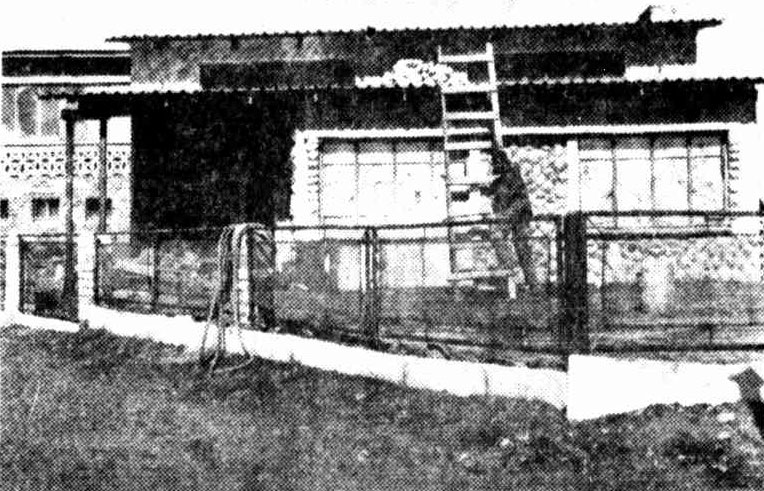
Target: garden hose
(229, 250)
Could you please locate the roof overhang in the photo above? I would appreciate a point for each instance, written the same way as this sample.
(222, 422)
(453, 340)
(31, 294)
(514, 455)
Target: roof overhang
(117, 99)
(698, 23)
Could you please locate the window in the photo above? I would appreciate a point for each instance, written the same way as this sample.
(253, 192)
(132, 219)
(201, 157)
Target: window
(25, 114)
(93, 207)
(44, 208)
(4, 211)
(666, 172)
(9, 108)
(26, 102)
(381, 180)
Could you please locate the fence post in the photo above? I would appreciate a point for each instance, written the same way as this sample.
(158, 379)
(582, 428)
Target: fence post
(574, 294)
(13, 274)
(371, 293)
(86, 281)
(155, 275)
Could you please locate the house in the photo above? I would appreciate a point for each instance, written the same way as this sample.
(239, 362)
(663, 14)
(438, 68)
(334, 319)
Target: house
(312, 127)
(32, 177)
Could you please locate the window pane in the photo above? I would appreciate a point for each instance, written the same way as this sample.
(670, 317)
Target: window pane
(632, 148)
(671, 184)
(338, 153)
(50, 117)
(375, 191)
(706, 146)
(375, 152)
(413, 152)
(53, 207)
(9, 108)
(707, 191)
(27, 105)
(38, 206)
(338, 191)
(633, 180)
(670, 147)
(415, 199)
(597, 185)
(595, 149)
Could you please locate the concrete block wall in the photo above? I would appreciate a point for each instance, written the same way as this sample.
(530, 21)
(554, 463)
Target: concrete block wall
(305, 178)
(35, 171)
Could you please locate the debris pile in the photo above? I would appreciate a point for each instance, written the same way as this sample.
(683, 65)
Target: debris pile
(415, 73)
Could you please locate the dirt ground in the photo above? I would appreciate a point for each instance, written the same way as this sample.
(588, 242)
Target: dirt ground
(93, 411)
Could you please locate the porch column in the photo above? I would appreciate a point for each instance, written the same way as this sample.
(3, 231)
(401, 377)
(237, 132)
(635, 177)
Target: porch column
(102, 175)
(70, 274)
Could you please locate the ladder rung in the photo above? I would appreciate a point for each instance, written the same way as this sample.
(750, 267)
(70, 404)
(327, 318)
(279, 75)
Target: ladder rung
(473, 115)
(475, 130)
(470, 88)
(466, 58)
(468, 184)
(468, 145)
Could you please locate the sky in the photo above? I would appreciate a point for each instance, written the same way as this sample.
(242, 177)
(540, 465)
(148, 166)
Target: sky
(49, 24)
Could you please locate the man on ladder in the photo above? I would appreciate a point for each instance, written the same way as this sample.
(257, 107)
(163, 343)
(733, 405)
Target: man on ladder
(512, 207)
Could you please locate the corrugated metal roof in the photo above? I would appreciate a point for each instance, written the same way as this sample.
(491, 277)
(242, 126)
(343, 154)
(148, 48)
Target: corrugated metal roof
(385, 16)
(630, 80)
(189, 89)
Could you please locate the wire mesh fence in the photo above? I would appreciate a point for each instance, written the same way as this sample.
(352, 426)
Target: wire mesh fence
(678, 281)
(169, 272)
(588, 281)
(43, 277)
(472, 284)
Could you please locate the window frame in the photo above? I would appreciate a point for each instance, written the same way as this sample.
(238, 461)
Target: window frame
(430, 147)
(687, 139)
(38, 109)
(92, 212)
(48, 203)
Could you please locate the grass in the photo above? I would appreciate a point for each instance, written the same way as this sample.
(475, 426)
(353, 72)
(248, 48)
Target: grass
(93, 411)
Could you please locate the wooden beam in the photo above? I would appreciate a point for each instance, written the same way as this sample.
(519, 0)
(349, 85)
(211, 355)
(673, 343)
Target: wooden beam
(103, 175)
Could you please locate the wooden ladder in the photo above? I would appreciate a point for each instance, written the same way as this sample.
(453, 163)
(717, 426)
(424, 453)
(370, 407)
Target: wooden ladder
(469, 129)
(465, 130)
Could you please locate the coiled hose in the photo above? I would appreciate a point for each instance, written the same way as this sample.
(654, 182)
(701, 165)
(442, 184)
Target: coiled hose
(229, 250)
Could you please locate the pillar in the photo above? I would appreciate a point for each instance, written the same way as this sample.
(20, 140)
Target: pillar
(70, 274)
(12, 274)
(102, 175)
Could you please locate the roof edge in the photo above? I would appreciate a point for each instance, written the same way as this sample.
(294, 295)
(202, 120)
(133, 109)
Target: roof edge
(698, 22)
(121, 52)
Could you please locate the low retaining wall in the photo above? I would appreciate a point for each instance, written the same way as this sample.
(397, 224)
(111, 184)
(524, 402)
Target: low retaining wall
(601, 386)
(455, 377)
(595, 386)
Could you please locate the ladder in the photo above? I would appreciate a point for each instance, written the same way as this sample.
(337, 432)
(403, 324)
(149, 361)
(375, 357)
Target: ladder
(466, 130)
